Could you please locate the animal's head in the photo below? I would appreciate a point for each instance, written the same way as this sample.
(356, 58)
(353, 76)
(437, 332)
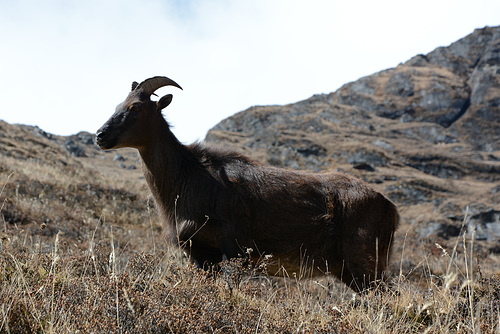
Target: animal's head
(135, 118)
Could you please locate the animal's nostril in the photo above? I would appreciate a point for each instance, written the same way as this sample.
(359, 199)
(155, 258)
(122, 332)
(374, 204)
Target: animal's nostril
(100, 137)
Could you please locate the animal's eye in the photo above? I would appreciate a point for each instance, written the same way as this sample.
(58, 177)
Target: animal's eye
(134, 108)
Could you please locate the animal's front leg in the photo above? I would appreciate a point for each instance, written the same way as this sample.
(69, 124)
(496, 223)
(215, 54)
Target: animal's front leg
(204, 257)
(230, 249)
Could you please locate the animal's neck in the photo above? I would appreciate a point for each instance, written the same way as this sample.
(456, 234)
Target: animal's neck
(165, 161)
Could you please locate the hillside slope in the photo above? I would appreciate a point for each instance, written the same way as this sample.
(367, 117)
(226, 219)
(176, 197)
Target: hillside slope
(426, 133)
(72, 188)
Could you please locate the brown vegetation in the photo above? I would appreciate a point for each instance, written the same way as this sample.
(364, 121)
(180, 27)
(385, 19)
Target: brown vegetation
(158, 293)
(81, 253)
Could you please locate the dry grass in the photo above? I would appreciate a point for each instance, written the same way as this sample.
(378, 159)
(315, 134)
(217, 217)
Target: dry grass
(101, 290)
(81, 252)
(107, 283)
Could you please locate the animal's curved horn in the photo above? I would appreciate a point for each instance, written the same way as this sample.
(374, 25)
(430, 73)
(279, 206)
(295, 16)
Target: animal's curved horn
(150, 85)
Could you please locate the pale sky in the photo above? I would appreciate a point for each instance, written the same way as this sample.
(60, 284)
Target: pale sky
(65, 65)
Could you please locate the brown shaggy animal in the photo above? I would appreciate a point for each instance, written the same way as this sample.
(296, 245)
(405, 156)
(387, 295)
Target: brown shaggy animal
(217, 203)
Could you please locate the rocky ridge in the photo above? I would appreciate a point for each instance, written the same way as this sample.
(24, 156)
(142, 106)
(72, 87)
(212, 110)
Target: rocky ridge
(426, 133)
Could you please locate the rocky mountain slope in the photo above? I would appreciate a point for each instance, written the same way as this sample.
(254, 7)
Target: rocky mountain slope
(426, 133)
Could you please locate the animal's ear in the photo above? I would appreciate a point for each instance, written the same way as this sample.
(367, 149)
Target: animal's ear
(163, 102)
(134, 85)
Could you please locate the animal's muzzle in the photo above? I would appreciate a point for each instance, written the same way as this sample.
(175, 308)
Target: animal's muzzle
(102, 140)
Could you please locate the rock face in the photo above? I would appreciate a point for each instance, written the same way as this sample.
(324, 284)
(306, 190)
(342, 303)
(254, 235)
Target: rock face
(427, 133)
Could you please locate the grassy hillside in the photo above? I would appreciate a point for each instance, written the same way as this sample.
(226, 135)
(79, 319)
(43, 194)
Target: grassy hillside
(81, 251)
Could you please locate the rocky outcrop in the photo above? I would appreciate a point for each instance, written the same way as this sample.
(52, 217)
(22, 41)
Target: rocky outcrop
(426, 132)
